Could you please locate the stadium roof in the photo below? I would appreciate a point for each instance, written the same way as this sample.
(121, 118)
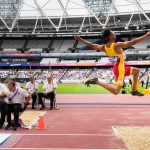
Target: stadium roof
(49, 16)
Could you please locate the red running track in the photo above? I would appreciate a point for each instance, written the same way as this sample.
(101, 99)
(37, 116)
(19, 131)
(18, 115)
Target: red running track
(84, 122)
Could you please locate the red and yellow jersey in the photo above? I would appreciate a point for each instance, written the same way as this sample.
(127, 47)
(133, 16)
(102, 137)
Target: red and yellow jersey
(119, 69)
(111, 51)
(120, 63)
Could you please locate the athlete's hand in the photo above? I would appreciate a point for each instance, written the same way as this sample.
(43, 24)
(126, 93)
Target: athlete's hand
(76, 37)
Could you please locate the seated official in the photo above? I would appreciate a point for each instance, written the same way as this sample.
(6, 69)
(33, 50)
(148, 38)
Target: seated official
(18, 99)
(32, 88)
(3, 95)
(48, 92)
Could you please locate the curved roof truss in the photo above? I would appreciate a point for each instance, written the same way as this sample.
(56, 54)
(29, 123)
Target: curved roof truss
(73, 15)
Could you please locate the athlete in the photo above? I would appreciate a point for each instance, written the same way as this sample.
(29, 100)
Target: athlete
(119, 69)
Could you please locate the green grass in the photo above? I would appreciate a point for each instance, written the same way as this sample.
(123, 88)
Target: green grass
(79, 89)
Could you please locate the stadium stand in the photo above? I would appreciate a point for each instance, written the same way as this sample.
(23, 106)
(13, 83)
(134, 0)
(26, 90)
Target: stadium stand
(6, 72)
(70, 75)
(65, 45)
(104, 60)
(9, 50)
(144, 74)
(67, 61)
(57, 44)
(75, 76)
(47, 60)
(12, 44)
(86, 61)
(142, 44)
(25, 73)
(105, 75)
(60, 45)
(124, 39)
(57, 74)
(38, 44)
(35, 50)
(90, 40)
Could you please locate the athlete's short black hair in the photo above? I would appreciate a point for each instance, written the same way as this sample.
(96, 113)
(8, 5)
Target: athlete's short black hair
(106, 32)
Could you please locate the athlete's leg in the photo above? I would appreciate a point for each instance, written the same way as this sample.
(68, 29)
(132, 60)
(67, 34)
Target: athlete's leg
(135, 73)
(117, 84)
(119, 71)
(115, 89)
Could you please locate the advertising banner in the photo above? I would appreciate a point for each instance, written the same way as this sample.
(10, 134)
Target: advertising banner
(19, 54)
(129, 63)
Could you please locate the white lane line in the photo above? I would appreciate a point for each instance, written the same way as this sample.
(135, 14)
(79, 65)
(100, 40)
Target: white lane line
(71, 134)
(55, 149)
(114, 129)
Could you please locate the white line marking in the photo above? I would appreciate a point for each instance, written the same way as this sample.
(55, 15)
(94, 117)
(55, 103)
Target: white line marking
(56, 149)
(71, 134)
(38, 119)
(114, 129)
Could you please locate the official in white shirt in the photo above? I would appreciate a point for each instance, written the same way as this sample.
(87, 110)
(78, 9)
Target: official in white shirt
(48, 92)
(32, 88)
(3, 95)
(18, 99)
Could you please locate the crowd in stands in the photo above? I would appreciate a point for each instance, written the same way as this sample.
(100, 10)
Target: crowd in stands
(5, 72)
(60, 60)
(144, 74)
(137, 57)
(25, 73)
(76, 74)
(40, 75)
(105, 75)
(71, 75)
(57, 74)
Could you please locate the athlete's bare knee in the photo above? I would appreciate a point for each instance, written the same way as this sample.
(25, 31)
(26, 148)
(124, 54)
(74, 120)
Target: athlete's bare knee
(117, 89)
(116, 92)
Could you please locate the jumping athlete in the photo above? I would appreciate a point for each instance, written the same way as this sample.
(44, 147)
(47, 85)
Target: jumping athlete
(119, 69)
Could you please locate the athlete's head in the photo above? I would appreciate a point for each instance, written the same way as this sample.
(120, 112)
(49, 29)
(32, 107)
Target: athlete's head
(107, 34)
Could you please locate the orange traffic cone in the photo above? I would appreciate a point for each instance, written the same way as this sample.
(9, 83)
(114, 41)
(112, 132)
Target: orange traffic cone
(41, 125)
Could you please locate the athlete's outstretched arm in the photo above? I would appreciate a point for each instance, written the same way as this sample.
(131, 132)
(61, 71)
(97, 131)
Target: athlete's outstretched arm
(132, 42)
(95, 46)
